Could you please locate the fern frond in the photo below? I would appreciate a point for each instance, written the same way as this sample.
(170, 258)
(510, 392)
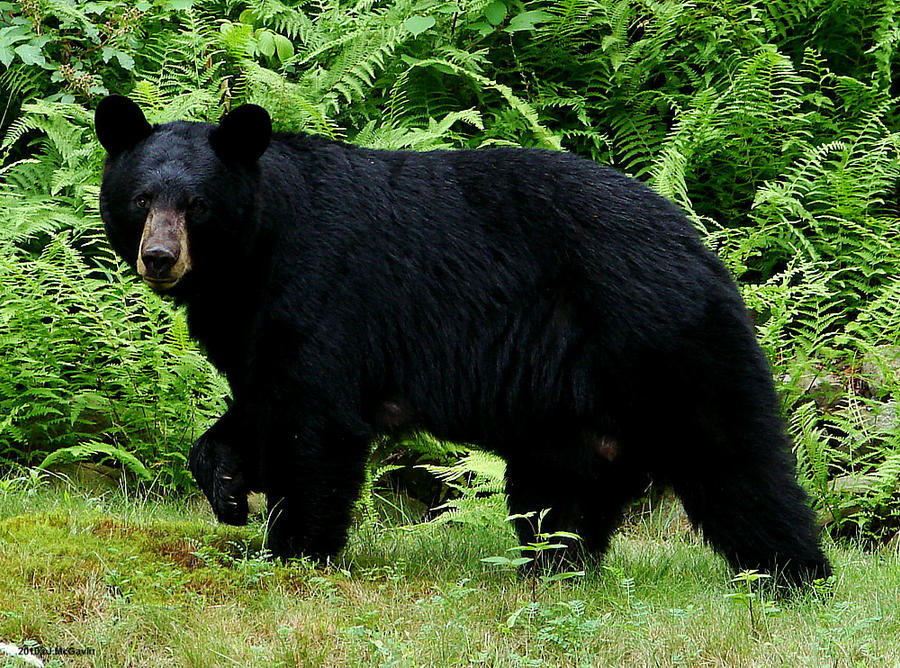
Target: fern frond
(91, 449)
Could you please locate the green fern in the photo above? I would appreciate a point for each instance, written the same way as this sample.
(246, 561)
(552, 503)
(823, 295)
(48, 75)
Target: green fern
(90, 450)
(478, 478)
(773, 124)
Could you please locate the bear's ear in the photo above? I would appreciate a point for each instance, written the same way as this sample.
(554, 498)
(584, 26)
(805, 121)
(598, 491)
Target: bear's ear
(243, 134)
(120, 124)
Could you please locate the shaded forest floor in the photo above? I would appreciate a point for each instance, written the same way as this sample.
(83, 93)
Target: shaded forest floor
(154, 581)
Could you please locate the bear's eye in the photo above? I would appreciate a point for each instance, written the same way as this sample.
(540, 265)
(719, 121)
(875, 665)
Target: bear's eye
(196, 205)
(142, 201)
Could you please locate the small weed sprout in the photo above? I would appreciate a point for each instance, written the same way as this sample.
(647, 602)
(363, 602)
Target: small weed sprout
(747, 581)
(563, 623)
(542, 560)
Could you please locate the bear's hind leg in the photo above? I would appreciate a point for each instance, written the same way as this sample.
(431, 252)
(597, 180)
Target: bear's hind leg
(729, 463)
(756, 515)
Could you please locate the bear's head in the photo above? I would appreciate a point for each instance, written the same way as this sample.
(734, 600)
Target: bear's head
(177, 195)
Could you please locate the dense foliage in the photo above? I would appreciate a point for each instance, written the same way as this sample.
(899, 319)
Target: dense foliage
(772, 124)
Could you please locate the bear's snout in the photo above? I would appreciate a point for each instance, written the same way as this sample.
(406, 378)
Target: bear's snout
(163, 257)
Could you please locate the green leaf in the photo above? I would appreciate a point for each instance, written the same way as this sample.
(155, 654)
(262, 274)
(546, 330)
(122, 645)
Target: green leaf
(506, 561)
(31, 54)
(94, 8)
(495, 12)
(528, 20)
(284, 47)
(500, 561)
(8, 37)
(558, 577)
(514, 617)
(247, 17)
(126, 60)
(418, 24)
(266, 43)
(565, 534)
(483, 28)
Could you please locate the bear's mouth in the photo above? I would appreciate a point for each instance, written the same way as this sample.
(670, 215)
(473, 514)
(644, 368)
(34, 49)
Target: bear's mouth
(160, 284)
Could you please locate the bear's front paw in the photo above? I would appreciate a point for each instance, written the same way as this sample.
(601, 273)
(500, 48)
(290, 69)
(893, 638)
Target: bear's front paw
(218, 472)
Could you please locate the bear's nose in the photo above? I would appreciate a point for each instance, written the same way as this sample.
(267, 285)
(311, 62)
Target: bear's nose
(159, 259)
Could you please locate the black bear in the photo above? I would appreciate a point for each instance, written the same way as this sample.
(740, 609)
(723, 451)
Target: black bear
(550, 310)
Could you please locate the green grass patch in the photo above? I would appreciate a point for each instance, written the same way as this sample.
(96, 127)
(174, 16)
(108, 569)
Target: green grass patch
(154, 581)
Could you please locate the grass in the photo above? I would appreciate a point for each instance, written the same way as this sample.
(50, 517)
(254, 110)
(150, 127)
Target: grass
(154, 581)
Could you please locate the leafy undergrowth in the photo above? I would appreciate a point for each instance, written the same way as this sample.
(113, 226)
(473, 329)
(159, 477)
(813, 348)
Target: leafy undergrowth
(156, 582)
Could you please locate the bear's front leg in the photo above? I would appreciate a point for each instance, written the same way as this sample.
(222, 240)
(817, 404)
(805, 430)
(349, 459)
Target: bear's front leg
(218, 462)
(312, 476)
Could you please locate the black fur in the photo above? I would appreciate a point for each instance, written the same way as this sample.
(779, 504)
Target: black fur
(551, 310)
